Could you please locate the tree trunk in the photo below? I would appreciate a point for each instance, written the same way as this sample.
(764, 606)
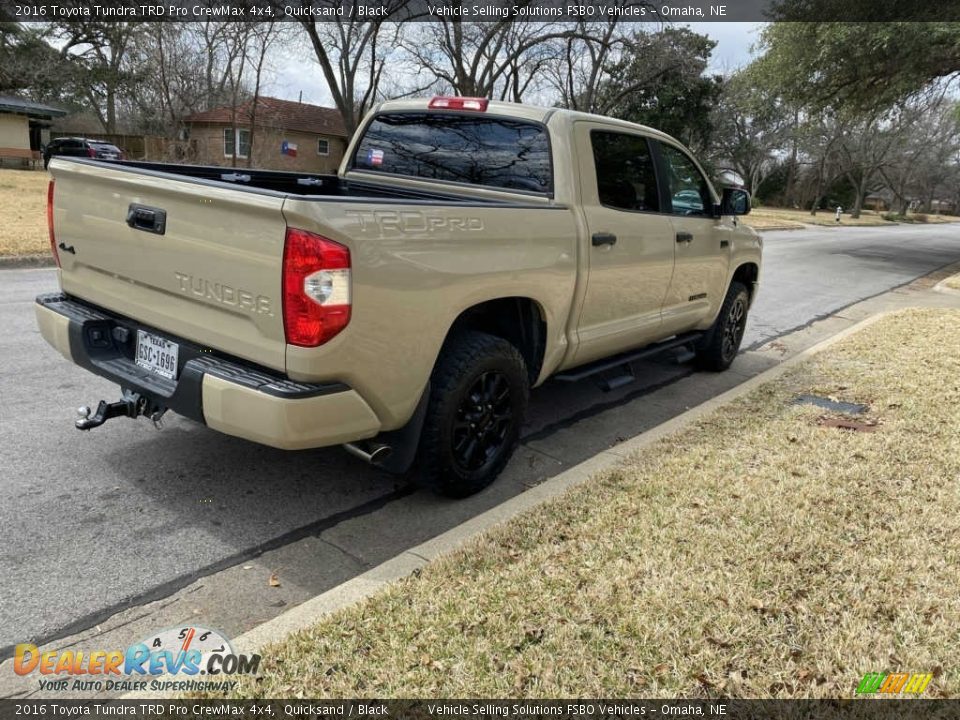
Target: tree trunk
(789, 193)
(111, 112)
(860, 197)
(818, 193)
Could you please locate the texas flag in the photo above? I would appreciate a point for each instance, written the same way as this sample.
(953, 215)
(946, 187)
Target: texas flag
(288, 148)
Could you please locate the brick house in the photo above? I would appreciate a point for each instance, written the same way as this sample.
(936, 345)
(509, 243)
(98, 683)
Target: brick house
(287, 135)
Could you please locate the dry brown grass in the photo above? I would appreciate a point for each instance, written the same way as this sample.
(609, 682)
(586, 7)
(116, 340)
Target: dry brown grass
(766, 220)
(940, 219)
(755, 553)
(23, 212)
(953, 282)
(784, 217)
(770, 218)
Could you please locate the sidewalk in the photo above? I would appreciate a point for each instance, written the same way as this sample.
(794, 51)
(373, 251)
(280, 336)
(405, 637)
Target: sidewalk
(759, 551)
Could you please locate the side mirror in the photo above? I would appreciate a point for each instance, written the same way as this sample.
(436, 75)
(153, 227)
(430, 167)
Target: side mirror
(735, 202)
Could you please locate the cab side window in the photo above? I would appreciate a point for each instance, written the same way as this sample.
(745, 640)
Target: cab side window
(688, 189)
(626, 179)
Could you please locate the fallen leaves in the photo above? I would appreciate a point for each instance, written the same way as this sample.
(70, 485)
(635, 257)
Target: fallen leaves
(846, 424)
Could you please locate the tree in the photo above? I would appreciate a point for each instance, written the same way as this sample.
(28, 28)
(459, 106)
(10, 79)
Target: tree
(866, 147)
(27, 62)
(352, 56)
(661, 81)
(752, 126)
(182, 74)
(930, 137)
(866, 65)
(581, 64)
(817, 137)
(504, 59)
(100, 57)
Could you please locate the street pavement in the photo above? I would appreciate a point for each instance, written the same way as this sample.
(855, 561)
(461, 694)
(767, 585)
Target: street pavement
(128, 529)
(808, 274)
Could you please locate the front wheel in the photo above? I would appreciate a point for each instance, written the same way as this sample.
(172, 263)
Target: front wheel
(478, 397)
(718, 348)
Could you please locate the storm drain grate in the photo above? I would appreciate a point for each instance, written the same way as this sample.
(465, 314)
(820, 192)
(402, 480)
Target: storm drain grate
(828, 404)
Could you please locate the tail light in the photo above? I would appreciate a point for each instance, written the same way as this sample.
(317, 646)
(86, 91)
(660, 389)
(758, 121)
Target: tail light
(53, 237)
(458, 103)
(91, 152)
(316, 288)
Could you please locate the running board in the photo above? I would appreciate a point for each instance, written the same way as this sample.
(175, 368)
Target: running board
(624, 359)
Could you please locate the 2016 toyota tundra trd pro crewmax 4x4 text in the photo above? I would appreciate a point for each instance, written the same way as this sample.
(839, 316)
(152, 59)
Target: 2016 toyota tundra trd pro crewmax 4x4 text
(466, 251)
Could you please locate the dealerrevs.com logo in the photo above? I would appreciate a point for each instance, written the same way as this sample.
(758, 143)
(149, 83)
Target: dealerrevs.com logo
(176, 659)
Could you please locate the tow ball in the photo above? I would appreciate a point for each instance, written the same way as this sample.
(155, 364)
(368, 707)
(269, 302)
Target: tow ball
(131, 405)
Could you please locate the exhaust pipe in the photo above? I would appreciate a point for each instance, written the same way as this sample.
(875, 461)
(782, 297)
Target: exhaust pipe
(373, 453)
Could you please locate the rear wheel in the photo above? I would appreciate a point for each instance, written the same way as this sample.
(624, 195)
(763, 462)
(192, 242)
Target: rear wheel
(718, 348)
(478, 396)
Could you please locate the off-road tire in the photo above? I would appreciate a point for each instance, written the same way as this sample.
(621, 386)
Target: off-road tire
(718, 348)
(465, 443)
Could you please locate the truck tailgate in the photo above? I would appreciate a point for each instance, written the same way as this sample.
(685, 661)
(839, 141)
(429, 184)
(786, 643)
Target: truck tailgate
(196, 259)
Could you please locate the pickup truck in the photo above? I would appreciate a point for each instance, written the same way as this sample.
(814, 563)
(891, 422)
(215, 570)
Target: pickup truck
(466, 251)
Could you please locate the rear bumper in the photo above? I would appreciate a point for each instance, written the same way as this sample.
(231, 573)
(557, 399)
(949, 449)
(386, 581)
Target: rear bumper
(228, 395)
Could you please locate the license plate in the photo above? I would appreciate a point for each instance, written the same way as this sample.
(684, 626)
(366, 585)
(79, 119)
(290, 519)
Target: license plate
(157, 354)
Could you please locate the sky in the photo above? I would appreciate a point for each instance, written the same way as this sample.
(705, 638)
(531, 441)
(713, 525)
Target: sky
(296, 71)
(734, 40)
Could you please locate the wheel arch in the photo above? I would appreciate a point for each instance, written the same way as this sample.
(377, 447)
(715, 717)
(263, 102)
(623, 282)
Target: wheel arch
(519, 320)
(748, 273)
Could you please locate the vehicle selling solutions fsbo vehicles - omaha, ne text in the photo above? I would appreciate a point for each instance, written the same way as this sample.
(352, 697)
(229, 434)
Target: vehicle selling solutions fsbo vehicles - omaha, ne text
(466, 251)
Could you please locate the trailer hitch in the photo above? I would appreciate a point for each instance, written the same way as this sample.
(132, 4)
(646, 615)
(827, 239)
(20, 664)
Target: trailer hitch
(131, 405)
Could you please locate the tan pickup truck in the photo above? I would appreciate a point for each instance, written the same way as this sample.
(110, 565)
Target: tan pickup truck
(466, 251)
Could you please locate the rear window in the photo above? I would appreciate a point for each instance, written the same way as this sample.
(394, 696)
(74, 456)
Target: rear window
(105, 146)
(479, 150)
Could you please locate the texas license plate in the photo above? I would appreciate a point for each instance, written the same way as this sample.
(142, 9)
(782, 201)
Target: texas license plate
(157, 354)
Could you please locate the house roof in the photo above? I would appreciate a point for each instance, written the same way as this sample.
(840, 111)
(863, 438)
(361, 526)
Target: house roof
(19, 106)
(276, 113)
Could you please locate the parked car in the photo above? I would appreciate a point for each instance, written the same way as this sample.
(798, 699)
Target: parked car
(81, 147)
(466, 251)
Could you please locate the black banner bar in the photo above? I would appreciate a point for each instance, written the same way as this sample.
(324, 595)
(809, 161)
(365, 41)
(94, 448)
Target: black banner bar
(482, 10)
(862, 709)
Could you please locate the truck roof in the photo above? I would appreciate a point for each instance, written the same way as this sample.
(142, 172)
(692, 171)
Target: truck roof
(523, 111)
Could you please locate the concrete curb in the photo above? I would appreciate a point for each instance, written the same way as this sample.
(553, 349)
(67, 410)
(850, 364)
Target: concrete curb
(777, 228)
(942, 287)
(20, 262)
(402, 565)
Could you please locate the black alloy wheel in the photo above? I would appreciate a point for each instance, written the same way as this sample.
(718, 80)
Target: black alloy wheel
(483, 419)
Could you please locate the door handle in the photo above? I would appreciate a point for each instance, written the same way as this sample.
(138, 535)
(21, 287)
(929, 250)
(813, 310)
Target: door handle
(683, 237)
(604, 238)
(141, 217)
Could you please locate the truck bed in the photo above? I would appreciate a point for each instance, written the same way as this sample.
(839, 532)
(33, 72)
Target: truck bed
(286, 183)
